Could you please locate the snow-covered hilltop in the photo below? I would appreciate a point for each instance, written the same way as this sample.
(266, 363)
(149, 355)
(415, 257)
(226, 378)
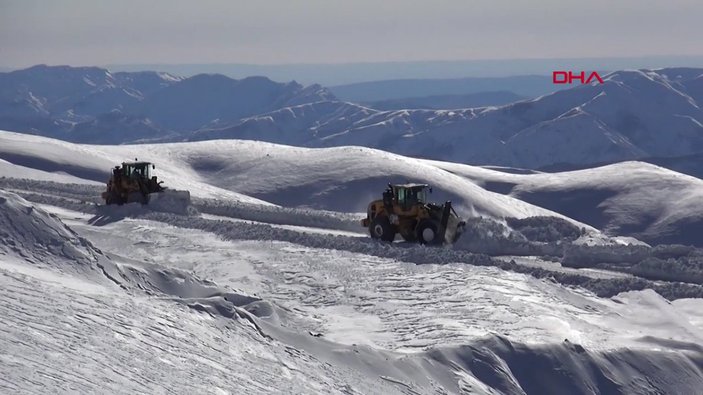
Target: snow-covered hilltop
(634, 198)
(625, 199)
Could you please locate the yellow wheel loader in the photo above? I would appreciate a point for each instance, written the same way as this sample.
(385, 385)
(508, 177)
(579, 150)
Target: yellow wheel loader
(405, 209)
(133, 183)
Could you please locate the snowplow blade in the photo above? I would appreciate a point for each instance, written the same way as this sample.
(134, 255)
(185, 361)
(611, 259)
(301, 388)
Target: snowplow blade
(171, 201)
(451, 224)
(455, 227)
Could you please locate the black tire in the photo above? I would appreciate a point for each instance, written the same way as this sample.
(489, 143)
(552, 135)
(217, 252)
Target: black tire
(381, 228)
(427, 232)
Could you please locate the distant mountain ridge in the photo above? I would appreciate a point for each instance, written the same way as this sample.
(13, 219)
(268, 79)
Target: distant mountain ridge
(91, 104)
(334, 74)
(634, 114)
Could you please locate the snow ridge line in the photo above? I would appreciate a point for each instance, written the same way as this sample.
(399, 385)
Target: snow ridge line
(422, 255)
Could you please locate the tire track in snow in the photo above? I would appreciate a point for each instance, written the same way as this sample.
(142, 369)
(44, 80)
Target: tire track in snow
(81, 197)
(604, 287)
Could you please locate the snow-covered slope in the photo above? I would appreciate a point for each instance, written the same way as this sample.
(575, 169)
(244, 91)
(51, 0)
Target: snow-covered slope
(342, 179)
(92, 164)
(635, 198)
(323, 320)
(33, 235)
(133, 306)
(76, 319)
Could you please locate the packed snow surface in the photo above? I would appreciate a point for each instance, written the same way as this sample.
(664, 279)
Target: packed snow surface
(259, 291)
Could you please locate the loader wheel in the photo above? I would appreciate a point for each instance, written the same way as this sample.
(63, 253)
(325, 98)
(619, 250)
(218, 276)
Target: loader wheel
(428, 232)
(381, 228)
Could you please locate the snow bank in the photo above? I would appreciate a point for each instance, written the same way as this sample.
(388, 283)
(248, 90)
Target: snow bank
(543, 237)
(30, 234)
(36, 236)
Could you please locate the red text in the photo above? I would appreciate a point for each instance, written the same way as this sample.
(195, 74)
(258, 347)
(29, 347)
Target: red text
(568, 77)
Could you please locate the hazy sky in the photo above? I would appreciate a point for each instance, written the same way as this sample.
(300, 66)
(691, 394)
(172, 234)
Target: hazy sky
(95, 32)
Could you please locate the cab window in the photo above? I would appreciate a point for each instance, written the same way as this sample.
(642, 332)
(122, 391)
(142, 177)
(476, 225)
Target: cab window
(413, 196)
(422, 195)
(401, 195)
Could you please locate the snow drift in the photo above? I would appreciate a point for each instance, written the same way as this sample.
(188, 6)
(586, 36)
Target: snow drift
(31, 235)
(34, 235)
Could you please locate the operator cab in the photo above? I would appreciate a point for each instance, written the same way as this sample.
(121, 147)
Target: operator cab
(141, 170)
(408, 195)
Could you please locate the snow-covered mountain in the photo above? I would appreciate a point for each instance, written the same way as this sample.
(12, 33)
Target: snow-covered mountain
(633, 114)
(90, 104)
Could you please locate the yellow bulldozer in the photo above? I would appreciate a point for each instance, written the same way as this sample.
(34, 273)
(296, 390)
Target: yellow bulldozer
(405, 210)
(133, 183)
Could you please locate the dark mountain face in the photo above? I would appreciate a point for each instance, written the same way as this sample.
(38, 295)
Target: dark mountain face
(68, 102)
(53, 83)
(116, 127)
(206, 99)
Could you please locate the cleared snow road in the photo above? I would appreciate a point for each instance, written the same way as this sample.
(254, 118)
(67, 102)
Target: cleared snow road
(356, 298)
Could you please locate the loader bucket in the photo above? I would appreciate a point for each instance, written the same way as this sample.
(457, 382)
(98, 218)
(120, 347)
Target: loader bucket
(170, 201)
(451, 225)
(455, 227)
